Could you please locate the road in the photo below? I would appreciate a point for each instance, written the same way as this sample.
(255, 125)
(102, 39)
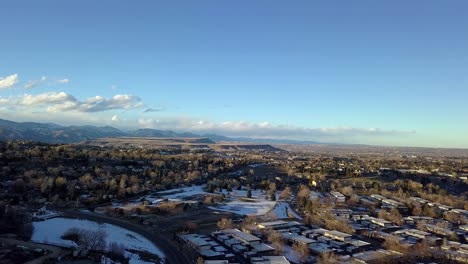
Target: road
(54, 251)
(160, 239)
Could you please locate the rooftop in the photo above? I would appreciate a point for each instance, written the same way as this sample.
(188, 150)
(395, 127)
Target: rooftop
(241, 235)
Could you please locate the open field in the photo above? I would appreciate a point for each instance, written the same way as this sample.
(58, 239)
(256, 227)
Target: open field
(381, 151)
(177, 143)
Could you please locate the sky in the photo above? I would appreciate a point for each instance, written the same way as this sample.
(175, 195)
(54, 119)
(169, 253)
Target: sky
(361, 72)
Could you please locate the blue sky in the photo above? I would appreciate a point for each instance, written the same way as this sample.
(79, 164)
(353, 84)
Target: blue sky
(371, 72)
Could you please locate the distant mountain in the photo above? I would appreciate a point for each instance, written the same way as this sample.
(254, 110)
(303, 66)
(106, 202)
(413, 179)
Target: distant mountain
(53, 133)
(146, 132)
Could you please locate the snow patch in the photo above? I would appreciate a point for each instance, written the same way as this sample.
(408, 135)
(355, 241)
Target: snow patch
(50, 232)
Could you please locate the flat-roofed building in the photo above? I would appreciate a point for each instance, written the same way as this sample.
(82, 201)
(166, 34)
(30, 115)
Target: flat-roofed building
(419, 200)
(356, 245)
(319, 231)
(197, 241)
(343, 213)
(244, 237)
(373, 255)
(295, 238)
(338, 235)
(380, 222)
(216, 261)
(378, 197)
(269, 260)
(262, 248)
(439, 230)
(210, 254)
(389, 203)
(238, 248)
(275, 225)
(414, 233)
(320, 248)
(338, 197)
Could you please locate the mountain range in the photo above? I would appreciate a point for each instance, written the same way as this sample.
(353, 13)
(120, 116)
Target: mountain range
(54, 133)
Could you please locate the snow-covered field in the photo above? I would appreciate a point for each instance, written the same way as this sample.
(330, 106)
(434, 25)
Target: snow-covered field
(235, 201)
(238, 204)
(246, 208)
(50, 232)
(282, 210)
(183, 193)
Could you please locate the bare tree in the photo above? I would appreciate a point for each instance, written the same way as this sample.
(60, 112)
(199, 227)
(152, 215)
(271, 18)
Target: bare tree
(303, 250)
(225, 223)
(276, 241)
(286, 193)
(117, 249)
(327, 258)
(89, 239)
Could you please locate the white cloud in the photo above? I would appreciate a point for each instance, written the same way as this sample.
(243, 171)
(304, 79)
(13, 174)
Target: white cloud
(8, 81)
(156, 109)
(62, 101)
(34, 83)
(266, 129)
(48, 98)
(119, 101)
(4, 101)
(62, 81)
(45, 80)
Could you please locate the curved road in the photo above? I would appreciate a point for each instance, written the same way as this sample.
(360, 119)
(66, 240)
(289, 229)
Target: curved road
(54, 251)
(160, 239)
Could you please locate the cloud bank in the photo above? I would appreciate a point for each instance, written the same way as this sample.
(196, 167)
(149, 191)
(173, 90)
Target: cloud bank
(64, 102)
(45, 80)
(64, 108)
(267, 130)
(8, 81)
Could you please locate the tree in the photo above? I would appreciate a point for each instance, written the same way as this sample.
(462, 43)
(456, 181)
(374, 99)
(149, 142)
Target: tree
(417, 210)
(19, 186)
(286, 193)
(249, 221)
(303, 250)
(429, 211)
(190, 227)
(88, 239)
(393, 243)
(327, 258)
(454, 236)
(209, 200)
(200, 260)
(395, 216)
(272, 187)
(117, 250)
(276, 241)
(347, 191)
(25, 230)
(225, 223)
(304, 192)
